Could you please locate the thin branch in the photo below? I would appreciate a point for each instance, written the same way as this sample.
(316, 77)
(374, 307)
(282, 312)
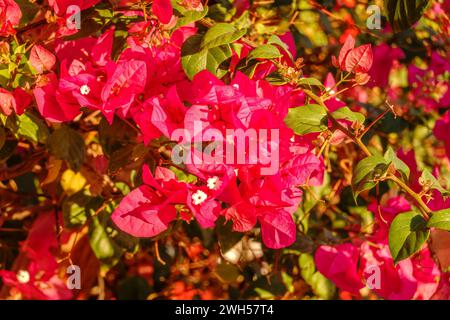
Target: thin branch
(337, 125)
(158, 257)
(422, 206)
(385, 112)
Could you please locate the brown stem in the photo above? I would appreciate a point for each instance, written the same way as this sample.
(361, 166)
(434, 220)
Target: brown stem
(337, 125)
(349, 134)
(385, 112)
(422, 206)
(158, 257)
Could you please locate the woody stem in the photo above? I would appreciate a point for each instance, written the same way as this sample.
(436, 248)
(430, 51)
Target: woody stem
(422, 206)
(337, 125)
(424, 209)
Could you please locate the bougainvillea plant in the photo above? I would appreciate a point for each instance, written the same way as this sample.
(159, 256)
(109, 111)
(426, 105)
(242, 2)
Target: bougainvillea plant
(188, 149)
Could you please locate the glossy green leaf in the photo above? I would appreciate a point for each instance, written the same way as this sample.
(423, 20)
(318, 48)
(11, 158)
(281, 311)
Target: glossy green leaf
(345, 113)
(108, 242)
(195, 59)
(276, 78)
(307, 266)
(399, 165)
(77, 208)
(104, 248)
(407, 234)
(402, 14)
(307, 119)
(440, 220)
(220, 34)
(266, 51)
(366, 172)
(431, 180)
(320, 285)
(310, 82)
(275, 40)
(188, 16)
(28, 126)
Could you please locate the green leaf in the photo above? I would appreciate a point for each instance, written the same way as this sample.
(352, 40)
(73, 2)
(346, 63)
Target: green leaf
(366, 172)
(276, 78)
(320, 285)
(310, 82)
(195, 59)
(67, 144)
(220, 34)
(5, 75)
(20, 49)
(366, 217)
(402, 14)
(266, 51)
(307, 119)
(93, 19)
(123, 187)
(108, 242)
(123, 240)
(244, 21)
(104, 248)
(407, 234)
(227, 272)
(77, 208)
(188, 16)
(288, 282)
(274, 39)
(183, 176)
(307, 266)
(28, 10)
(440, 220)
(28, 126)
(264, 294)
(237, 48)
(429, 178)
(346, 114)
(399, 165)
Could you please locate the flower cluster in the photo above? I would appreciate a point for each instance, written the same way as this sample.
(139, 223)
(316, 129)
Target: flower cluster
(154, 118)
(352, 266)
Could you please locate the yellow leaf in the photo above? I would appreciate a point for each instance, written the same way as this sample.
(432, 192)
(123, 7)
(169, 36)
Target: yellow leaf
(72, 182)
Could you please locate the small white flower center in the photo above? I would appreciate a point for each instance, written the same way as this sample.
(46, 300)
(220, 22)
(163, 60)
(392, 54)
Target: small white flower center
(199, 197)
(23, 276)
(213, 183)
(84, 89)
